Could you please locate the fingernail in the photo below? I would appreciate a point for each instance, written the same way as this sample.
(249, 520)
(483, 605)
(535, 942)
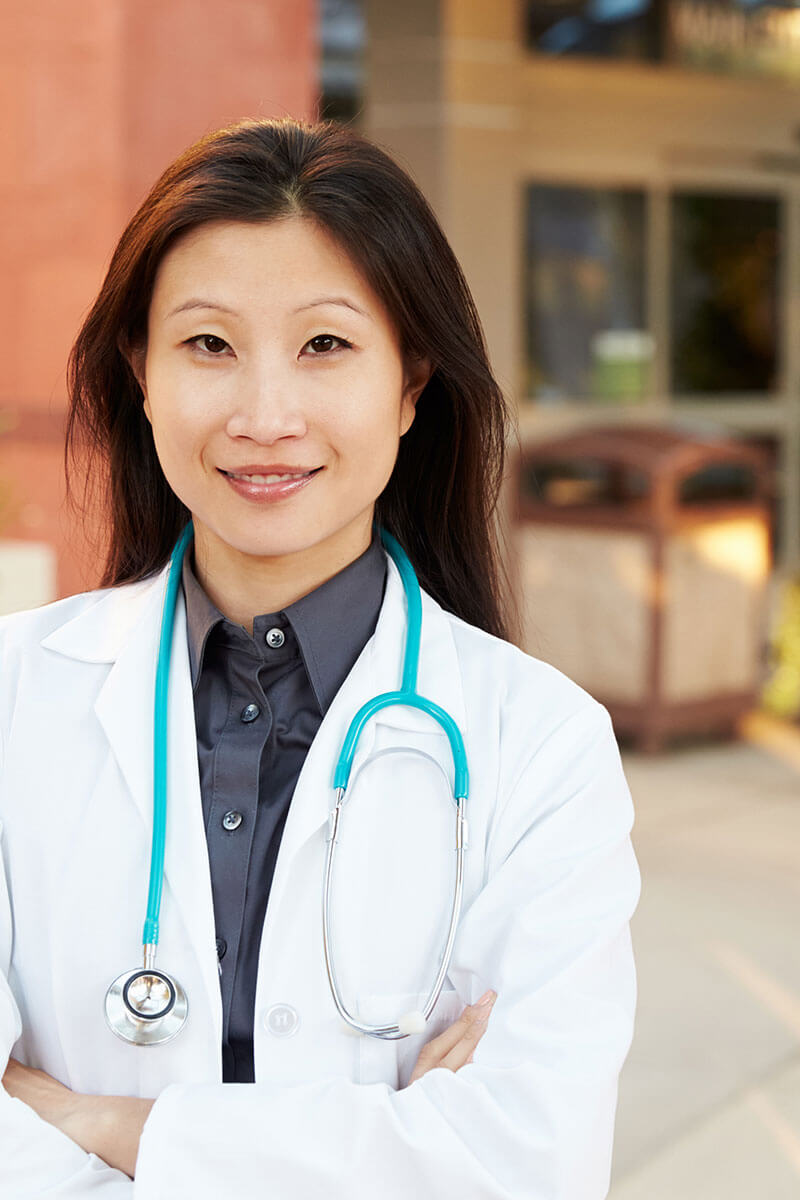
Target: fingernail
(486, 999)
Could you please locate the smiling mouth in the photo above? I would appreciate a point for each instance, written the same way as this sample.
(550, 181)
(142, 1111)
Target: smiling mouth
(252, 478)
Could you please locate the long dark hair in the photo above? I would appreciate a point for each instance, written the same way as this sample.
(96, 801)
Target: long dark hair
(441, 500)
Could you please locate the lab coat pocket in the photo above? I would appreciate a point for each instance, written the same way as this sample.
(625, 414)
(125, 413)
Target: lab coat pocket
(384, 1061)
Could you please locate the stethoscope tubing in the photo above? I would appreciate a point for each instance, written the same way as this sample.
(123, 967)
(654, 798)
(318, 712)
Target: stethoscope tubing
(408, 696)
(160, 758)
(119, 1012)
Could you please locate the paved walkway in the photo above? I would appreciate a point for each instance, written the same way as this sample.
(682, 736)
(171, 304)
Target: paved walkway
(709, 1103)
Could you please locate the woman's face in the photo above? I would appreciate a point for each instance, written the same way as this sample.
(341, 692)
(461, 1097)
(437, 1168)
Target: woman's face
(268, 353)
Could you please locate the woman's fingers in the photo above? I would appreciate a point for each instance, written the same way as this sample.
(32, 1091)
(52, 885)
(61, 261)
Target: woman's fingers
(454, 1047)
(462, 1051)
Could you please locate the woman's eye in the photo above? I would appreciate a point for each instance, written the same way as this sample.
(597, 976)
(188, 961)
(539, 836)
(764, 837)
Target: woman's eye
(324, 350)
(322, 345)
(213, 344)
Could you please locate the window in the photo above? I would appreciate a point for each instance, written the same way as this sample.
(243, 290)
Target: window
(585, 288)
(596, 28)
(588, 335)
(342, 34)
(724, 293)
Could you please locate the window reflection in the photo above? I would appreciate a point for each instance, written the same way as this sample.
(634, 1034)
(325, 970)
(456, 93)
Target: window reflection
(597, 28)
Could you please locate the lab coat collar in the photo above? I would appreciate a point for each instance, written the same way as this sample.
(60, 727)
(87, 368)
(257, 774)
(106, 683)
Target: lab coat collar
(123, 626)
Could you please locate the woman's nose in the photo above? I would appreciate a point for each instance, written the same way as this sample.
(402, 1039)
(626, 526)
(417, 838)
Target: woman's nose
(267, 406)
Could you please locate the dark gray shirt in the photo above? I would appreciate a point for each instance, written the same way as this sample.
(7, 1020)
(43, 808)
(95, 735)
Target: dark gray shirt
(258, 702)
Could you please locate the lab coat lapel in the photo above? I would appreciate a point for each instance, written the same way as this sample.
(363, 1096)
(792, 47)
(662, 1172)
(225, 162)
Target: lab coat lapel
(124, 629)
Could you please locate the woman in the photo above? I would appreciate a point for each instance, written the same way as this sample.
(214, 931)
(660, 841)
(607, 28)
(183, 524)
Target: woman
(285, 354)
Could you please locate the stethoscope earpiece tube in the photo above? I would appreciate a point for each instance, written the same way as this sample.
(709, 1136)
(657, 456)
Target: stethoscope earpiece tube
(150, 934)
(411, 1022)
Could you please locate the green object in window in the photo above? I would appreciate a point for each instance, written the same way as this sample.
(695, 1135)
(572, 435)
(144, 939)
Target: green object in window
(621, 364)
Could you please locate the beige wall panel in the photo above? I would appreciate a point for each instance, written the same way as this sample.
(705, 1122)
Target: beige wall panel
(476, 81)
(484, 228)
(479, 19)
(403, 103)
(633, 110)
(27, 575)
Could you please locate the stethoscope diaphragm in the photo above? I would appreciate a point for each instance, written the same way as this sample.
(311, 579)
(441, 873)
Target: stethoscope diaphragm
(146, 1007)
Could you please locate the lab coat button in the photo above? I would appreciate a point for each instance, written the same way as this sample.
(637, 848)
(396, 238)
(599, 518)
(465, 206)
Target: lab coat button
(232, 820)
(281, 1020)
(249, 713)
(274, 637)
(222, 946)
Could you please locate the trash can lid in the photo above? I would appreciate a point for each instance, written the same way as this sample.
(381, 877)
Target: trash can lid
(654, 449)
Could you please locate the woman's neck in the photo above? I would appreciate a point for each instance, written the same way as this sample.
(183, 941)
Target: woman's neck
(243, 586)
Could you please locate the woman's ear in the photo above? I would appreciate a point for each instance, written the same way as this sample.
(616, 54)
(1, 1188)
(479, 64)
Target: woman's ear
(135, 357)
(418, 373)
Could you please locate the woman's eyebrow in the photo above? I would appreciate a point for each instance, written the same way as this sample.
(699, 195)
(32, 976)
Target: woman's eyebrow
(198, 303)
(334, 300)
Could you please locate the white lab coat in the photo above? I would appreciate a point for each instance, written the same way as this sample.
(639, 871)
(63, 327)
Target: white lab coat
(550, 884)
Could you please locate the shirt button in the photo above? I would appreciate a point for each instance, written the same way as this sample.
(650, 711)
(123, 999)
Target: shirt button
(274, 637)
(249, 713)
(232, 820)
(281, 1020)
(222, 946)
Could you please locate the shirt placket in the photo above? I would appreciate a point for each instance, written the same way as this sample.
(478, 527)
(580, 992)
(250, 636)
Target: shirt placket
(234, 810)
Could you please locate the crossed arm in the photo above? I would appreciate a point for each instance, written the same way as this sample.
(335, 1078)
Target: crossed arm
(108, 1126)
(111, 1126)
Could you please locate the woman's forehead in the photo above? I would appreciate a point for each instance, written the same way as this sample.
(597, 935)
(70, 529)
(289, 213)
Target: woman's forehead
(291, 263)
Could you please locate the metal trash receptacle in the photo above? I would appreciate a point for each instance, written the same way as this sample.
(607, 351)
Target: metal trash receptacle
(644, 555)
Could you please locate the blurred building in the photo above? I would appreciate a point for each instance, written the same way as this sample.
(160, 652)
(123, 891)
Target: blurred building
(621, 182)
(98, 96)
(619, 178)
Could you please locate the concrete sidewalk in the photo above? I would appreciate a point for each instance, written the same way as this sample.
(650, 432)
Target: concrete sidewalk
(709, 1103)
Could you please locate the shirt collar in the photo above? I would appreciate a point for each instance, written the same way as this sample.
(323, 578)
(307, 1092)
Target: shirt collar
(332, 623)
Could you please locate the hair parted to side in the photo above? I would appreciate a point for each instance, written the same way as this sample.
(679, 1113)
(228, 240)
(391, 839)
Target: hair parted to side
(441, 500)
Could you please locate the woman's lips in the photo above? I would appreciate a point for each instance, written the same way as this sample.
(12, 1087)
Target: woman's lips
(255, 490)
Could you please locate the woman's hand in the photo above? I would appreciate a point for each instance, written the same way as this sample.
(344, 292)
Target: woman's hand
(455, 1046)
(108, 1126)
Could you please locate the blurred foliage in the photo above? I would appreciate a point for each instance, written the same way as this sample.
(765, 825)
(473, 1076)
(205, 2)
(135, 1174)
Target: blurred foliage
(781, 694)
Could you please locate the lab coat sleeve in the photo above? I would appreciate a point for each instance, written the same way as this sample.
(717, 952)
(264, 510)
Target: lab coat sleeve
(532, 1118)
(38, 1160)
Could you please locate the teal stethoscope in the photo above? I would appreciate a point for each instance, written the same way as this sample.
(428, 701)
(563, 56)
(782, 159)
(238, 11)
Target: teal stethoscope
(147, 1006)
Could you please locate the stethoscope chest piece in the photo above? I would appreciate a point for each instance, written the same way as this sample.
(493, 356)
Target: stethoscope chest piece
(146, 1007)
